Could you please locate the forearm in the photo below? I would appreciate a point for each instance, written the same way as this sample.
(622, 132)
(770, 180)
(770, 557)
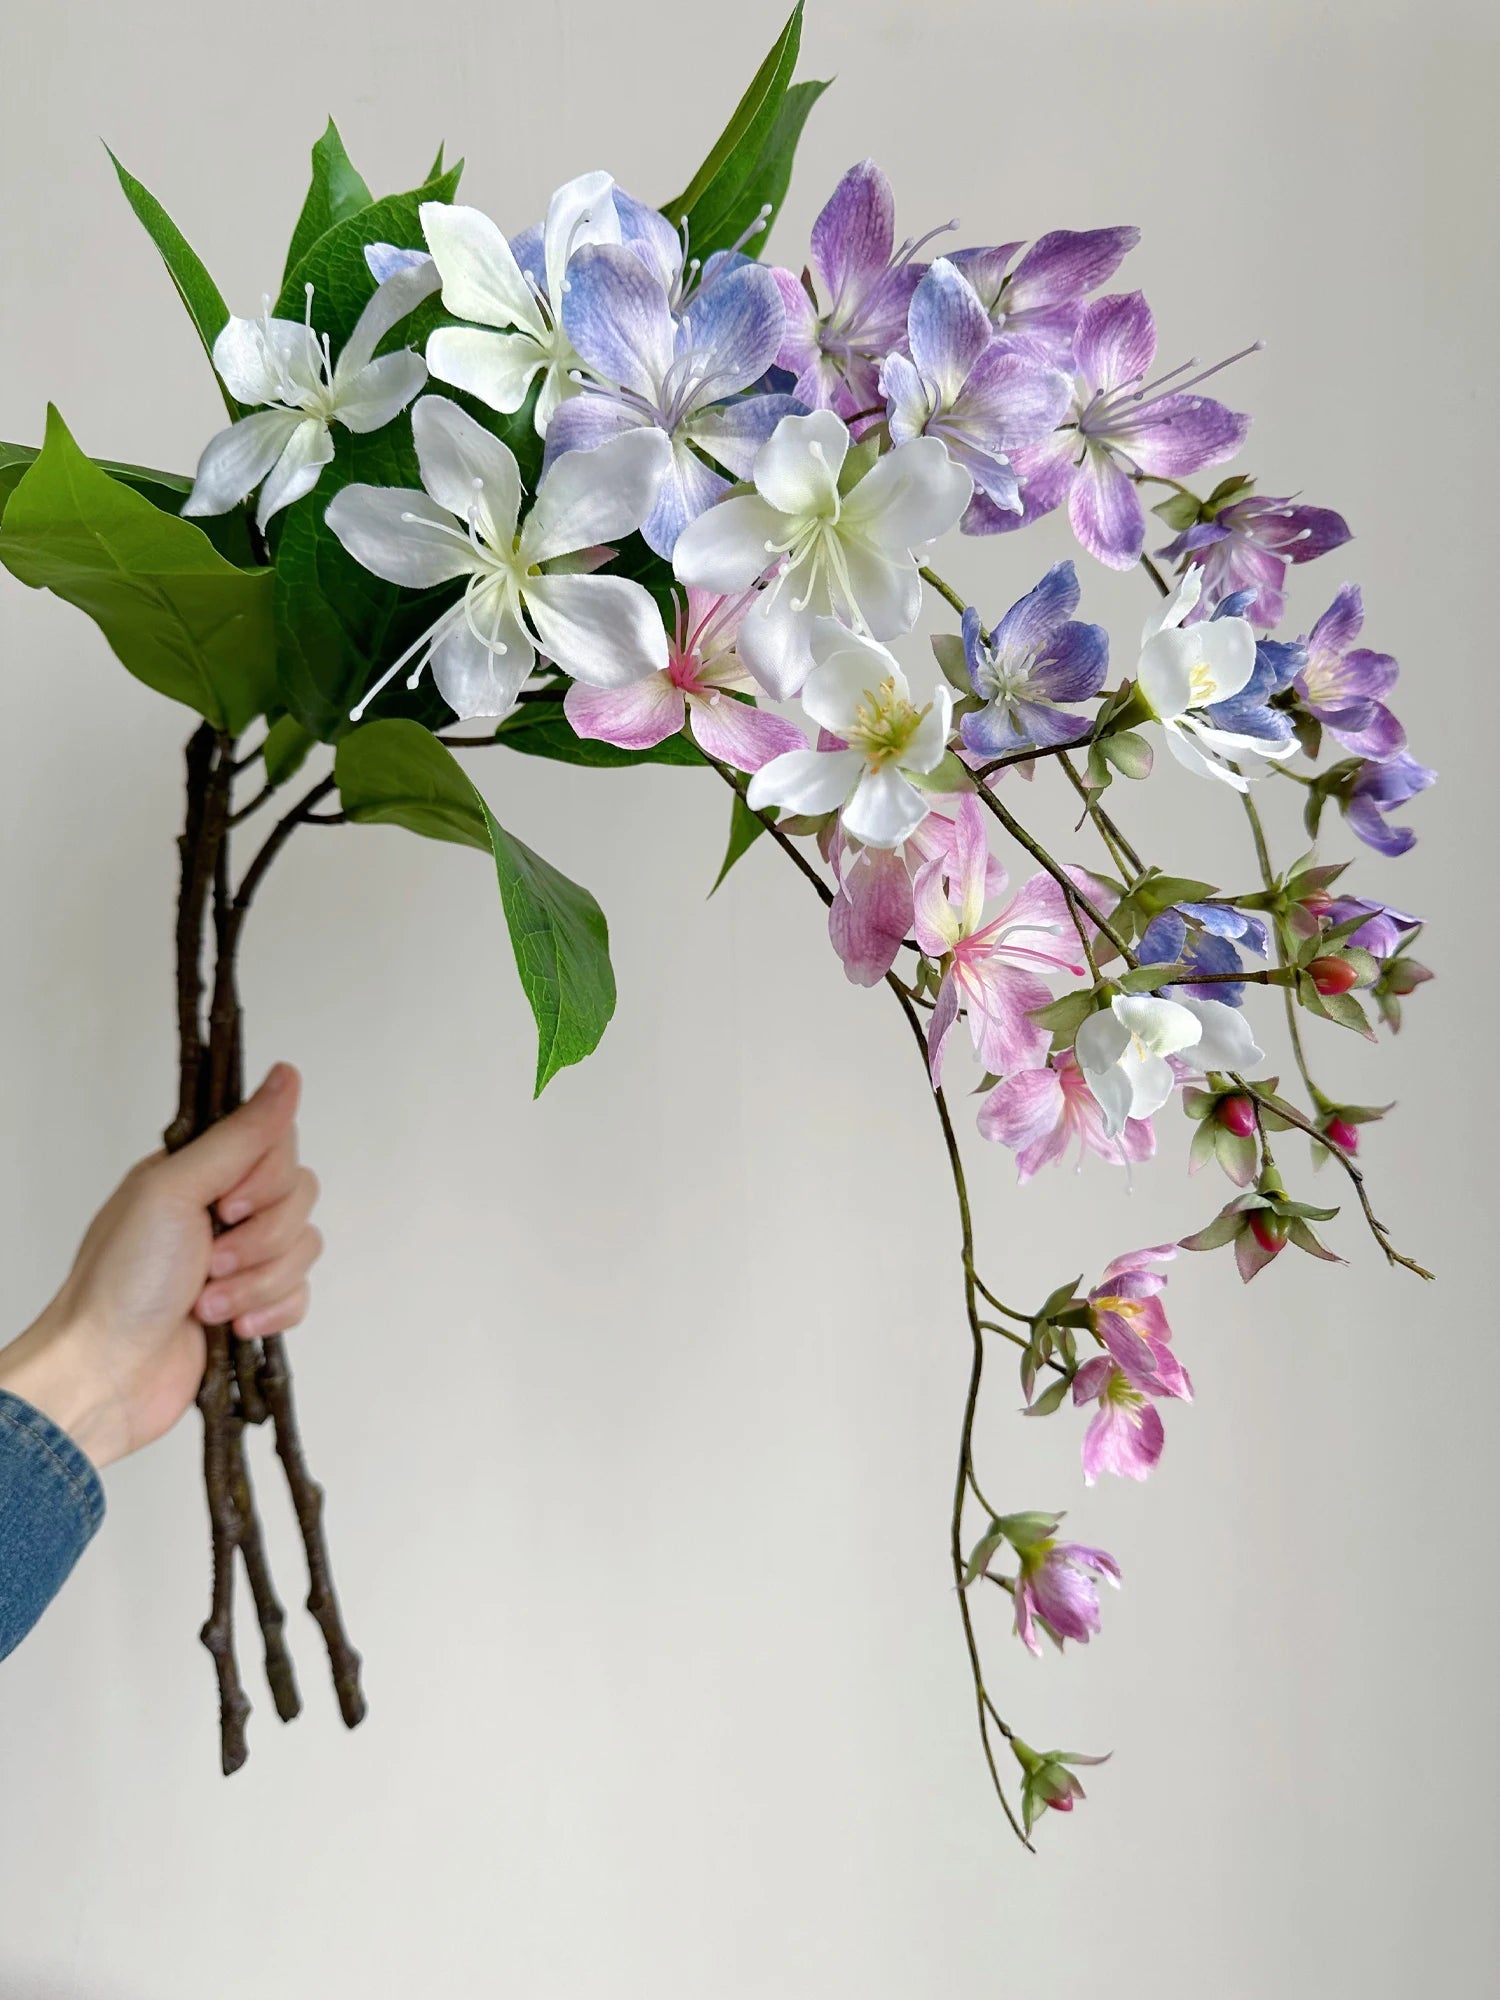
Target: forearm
(51, 1502)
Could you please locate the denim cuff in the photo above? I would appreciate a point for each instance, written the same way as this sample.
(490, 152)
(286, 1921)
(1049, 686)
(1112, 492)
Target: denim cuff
(51, 1504)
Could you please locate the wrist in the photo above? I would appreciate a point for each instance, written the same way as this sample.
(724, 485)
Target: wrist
(51, 1366)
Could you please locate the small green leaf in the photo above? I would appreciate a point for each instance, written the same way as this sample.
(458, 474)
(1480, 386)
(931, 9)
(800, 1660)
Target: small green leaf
(948, 651)
(196, 289)
(1178, 510)
(982, 1550)
(540, 729)
(561, 942)
(177, 614)
(1129, 752)
(949, 774)
(1050, 1398)
(398, 773)
(745, 828)
(1145, 978)
(286, 749)
(337, 192)
(1067, 1015)
(1063, 1296)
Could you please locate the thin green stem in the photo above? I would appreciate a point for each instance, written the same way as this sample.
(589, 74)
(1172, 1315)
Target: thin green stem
(943, 589)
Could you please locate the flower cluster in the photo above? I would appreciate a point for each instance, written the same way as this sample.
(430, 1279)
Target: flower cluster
(633, 492)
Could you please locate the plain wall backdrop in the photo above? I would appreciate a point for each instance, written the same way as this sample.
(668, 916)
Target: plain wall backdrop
(637, 1407)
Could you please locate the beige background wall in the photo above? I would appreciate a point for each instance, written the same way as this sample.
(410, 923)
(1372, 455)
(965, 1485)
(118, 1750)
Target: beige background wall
(638, 1407)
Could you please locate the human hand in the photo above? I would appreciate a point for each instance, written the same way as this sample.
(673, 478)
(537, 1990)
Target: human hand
(117, 1357)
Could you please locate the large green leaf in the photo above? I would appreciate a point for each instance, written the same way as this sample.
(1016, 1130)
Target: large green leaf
(717, 192)
(540, 729)
(229, 533)
(745, 828)
(766, 186)
(335, 264)
(398, 773)
(196, 289)
(337, 191)
(178, 615)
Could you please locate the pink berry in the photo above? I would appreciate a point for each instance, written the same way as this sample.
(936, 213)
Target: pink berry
(1343, 1134)
(1236, 1115)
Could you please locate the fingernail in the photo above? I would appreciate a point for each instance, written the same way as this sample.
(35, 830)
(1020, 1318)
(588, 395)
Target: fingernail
(221, 1263)
(234, 1211)
(213, 1306)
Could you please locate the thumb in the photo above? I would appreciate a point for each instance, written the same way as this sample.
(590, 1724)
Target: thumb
(226, 1152)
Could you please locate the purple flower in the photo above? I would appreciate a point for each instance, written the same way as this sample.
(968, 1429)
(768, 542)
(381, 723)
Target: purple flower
(1126, 1436)
(836, 355)
(1131, 1323)
(1382, 932)
(1248, 544)
(1119, 423)
(1342, 685)
(1057, 1589)
(1203, 936)
(681, 374)
(980, 395)
(1036, 659)
(1378, 789)
(1043, 296)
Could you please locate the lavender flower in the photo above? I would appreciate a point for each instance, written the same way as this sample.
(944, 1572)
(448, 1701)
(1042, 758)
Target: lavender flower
(1119, 422)
(1384, 929)
(1248, 544)
(1043, 296)
(1036, 659)
(836, 355)
(1342, 685)
(980, 395)
(1205, 937)
(681, 374)
(1376, 790)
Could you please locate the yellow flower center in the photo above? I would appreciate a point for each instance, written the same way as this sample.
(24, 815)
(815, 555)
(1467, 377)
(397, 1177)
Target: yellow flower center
(884, 724)
(1201, 685)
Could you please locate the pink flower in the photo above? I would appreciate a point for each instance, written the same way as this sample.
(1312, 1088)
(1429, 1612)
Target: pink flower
(702, 668)
(992, 967)
(1038, 1113)
(870, 917)
(1058, 1589)
(1126, 1436)
(1131, 1323)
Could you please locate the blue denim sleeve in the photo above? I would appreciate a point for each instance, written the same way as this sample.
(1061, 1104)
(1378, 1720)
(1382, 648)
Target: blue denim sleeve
(51, 1502)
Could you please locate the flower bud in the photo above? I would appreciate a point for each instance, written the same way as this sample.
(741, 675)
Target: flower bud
(1332, 975)
(1269, 1229)
(1236, 1115)
(1343, 1134)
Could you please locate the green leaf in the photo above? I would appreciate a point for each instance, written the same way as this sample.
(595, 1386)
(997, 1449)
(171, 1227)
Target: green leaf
(1145, 978)
(540, 729)
(337, 192)
(196, 289)
(561, 942)
(1178, 510)
(948, 651)
(1067, 1015)
(334, 265)
(286, 749)
(765, 190)
(229, 533)
(725, 185)
(177, 615)
(1129, 752)
(745, 828)
(1050, 1398)
(982, 1550)
(398, 773)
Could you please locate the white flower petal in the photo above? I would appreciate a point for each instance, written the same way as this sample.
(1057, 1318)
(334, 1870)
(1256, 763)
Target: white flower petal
(398, 533)
(237, 460)
(847, 667)
(605, 630)
(481, 278)
(1113, 1092)
(724, 550)
(1226, 651)
(1151, 1081)
(464, 466)
(909, 497)
(797, 468)
(1161, 1026)
(582, 211)
(595, 496)
(1193, 759)
(308, 450)
(496, 367)
(775, 638)
(388, 305)
(1165, 672)
(1100, 1042)
(885, 810)
(1225, 1040)
(254, 357)
(1175, 608)
(887, 589)
(377, 394)
(474, 678)
(806, 781)
(925, 750)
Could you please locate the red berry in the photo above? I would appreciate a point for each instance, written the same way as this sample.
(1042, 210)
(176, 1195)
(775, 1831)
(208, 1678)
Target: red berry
(1236, 1115)
(1269, 1229)
(1332, 975)
(1343, 1134)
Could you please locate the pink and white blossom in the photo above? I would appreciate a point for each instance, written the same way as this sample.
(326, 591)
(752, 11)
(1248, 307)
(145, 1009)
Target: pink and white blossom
(1040, 1113)
(1131, 1323)
(1057, 1589)
(1126, 1435)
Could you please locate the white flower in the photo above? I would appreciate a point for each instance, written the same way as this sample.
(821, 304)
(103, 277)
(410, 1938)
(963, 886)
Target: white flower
(846, 555)
(1183, 668)
(284, 365)
(483, 281)
(856, 691)
(605, 630)
(1123, 1053)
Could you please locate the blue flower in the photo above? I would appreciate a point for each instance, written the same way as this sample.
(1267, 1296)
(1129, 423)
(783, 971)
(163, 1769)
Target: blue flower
(1036, 659)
